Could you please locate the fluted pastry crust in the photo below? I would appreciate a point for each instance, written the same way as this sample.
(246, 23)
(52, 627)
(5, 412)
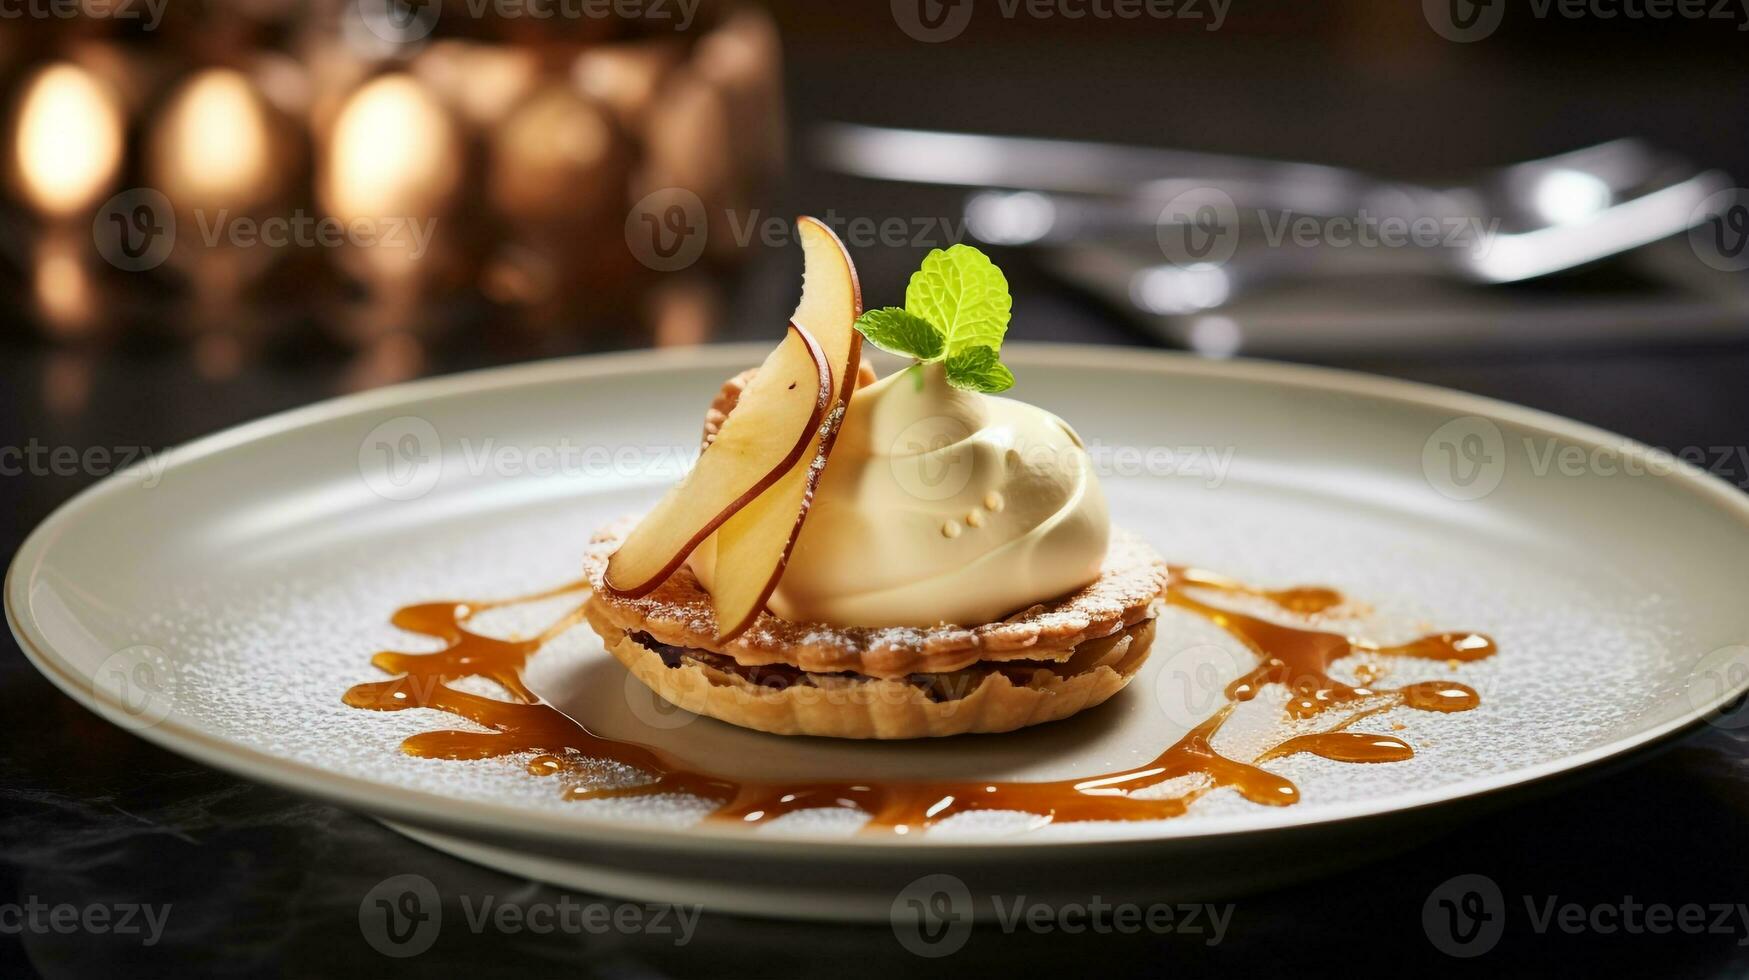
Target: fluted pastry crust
(996, 699)
(679, 613)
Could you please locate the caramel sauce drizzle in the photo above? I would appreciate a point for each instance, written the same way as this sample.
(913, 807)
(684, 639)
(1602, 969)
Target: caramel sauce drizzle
(1298, 657)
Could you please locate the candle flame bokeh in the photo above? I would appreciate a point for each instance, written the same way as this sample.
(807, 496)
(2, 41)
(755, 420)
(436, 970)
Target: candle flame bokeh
(68, 141)
(393, 153)
(213, 145)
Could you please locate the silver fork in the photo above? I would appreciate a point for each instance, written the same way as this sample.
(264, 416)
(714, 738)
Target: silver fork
(1524, 221)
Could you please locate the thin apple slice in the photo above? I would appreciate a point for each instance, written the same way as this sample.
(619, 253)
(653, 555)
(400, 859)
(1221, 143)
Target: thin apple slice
(755, 543)
(831, 301)
(773, 425)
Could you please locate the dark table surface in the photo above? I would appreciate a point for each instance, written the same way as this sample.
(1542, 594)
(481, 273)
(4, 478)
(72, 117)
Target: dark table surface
(264, 882)
(261, 880)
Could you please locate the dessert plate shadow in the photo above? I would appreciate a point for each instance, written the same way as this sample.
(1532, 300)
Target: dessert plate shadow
(221, 605)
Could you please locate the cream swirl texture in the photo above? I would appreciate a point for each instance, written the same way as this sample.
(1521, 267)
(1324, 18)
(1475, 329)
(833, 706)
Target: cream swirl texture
(941, 506)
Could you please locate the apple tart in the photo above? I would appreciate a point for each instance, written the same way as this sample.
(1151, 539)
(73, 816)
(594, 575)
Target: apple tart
(880, 558)
(1044, 663)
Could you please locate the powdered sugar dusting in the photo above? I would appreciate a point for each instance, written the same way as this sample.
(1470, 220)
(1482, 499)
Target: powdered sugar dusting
(679, 613)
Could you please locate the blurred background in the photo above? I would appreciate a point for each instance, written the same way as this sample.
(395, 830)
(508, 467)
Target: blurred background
(345, 193)
(215, 209)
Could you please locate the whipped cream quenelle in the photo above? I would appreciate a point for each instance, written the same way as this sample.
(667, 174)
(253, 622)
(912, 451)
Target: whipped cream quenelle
(941, 506)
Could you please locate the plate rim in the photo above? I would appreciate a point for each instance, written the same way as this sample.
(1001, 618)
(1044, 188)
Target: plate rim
(427, 808)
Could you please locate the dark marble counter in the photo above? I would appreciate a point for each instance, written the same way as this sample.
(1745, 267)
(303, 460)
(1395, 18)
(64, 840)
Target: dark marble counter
(260, 882)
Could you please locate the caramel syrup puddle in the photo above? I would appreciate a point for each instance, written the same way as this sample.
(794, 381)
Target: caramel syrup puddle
(1298, 657)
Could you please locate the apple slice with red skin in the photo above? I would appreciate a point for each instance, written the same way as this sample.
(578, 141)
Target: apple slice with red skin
(754, 544)
(776, 421)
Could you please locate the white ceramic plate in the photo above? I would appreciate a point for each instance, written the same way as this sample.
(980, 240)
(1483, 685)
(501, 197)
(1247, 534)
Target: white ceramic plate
(221, 606)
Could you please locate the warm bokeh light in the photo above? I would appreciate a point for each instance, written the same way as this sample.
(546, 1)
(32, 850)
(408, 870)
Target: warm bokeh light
(269, 175)
(626, 78)
(63, 284)
(481, 81)
(556, 157)
(213, 146)
(68, 140)
(393, 153)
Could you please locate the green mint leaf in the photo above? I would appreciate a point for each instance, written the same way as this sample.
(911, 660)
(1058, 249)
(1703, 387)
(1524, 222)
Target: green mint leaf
(978, 369)
(963, 293)
(899, 332)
